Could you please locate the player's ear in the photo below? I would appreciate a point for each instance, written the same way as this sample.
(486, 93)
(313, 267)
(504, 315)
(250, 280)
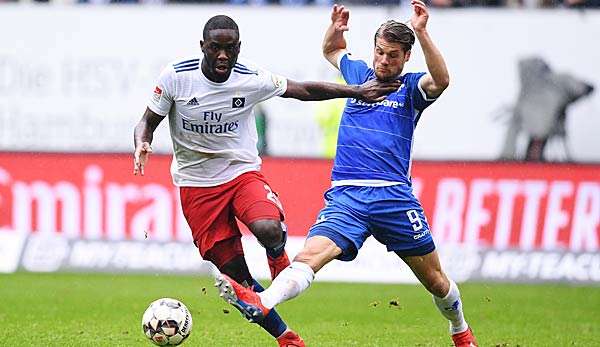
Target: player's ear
(407, 56)
(202, 46)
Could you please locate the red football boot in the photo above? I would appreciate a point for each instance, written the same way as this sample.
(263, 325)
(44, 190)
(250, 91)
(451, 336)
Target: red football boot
(242, 298)
(464, 339)
(290, 339)
(276, 265)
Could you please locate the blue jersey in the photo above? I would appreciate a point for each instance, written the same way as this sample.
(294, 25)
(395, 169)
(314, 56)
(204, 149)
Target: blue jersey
(375, 140)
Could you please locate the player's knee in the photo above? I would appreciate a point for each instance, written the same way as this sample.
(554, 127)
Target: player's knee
(268, 232)
(438, 285)
(317, 257)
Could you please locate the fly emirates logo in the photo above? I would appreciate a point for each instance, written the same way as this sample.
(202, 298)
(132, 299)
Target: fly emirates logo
(386, 103)
(210, 123)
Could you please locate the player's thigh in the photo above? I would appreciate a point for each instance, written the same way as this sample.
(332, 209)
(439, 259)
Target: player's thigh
(255, 200)
(209, 215)
(346, 225)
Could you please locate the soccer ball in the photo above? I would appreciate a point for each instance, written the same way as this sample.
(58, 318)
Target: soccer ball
(167, 322)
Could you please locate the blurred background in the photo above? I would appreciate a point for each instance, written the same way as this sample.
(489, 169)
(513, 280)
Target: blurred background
(506, 162)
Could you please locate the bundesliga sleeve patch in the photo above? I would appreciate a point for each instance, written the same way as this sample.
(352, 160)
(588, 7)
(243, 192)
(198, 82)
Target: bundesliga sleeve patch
(277, 81)
(157, 94)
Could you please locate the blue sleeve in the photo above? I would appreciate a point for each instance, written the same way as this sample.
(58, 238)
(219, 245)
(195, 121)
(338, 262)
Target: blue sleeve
(419, 98)
(354, 71)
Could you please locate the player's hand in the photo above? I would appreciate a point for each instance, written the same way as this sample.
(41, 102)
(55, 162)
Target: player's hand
(339, 18)
(375, 90)
(420, 15)
(140, 157)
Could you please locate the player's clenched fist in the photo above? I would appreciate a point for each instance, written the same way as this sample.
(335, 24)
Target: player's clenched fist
(140, 157)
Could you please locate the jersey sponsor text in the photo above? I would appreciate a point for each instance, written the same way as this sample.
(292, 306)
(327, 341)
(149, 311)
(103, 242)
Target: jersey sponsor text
(208, 128)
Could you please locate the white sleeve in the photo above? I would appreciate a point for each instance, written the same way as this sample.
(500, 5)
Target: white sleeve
(270, 85)
(162, 96)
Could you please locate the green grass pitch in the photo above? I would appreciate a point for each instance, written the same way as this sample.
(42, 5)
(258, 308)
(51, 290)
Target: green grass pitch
(74, 309)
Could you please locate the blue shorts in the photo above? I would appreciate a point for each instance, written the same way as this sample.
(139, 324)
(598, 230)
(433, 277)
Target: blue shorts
(392, 214)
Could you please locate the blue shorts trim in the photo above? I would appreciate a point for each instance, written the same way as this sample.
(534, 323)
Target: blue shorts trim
(419, 251)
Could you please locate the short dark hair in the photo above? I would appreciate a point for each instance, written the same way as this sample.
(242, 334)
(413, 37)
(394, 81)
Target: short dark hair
(219, 22)
(396, 32)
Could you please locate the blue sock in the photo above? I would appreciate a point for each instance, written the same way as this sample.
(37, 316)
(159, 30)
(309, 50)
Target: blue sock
(273, 324)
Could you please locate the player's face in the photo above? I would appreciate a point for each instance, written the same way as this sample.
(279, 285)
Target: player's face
(221, 50)
(389, 59)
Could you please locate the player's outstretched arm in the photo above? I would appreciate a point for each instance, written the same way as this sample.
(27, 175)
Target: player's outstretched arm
(334, 43)
(438, 79)
(142, 138)
(370, 91)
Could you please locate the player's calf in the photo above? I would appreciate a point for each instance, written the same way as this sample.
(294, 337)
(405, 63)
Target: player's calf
(450, 306)
(272, 235)
(276, 256)
(277, 264)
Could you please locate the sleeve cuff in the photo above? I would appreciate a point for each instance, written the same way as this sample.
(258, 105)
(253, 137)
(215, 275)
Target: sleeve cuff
(154, 109)
(423, 93)
(284, 86)
(339, 58)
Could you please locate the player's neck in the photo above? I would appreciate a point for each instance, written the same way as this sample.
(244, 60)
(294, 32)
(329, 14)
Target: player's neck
(210, 75)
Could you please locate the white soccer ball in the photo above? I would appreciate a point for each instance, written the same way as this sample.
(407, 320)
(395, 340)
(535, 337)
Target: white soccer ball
(167, 322)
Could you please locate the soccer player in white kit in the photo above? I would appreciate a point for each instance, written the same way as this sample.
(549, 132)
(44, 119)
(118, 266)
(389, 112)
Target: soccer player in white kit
(209, 101)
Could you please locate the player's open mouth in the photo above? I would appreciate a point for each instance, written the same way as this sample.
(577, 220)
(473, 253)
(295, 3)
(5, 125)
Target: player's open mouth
(222, 68)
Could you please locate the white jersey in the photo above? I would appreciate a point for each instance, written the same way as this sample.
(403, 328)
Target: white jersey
(212, 124)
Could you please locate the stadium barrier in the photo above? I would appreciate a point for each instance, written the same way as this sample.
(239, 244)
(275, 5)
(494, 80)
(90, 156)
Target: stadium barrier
(95, 79)
(491, 221)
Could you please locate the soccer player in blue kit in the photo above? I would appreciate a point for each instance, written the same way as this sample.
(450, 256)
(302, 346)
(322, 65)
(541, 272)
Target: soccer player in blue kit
(371, 193)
